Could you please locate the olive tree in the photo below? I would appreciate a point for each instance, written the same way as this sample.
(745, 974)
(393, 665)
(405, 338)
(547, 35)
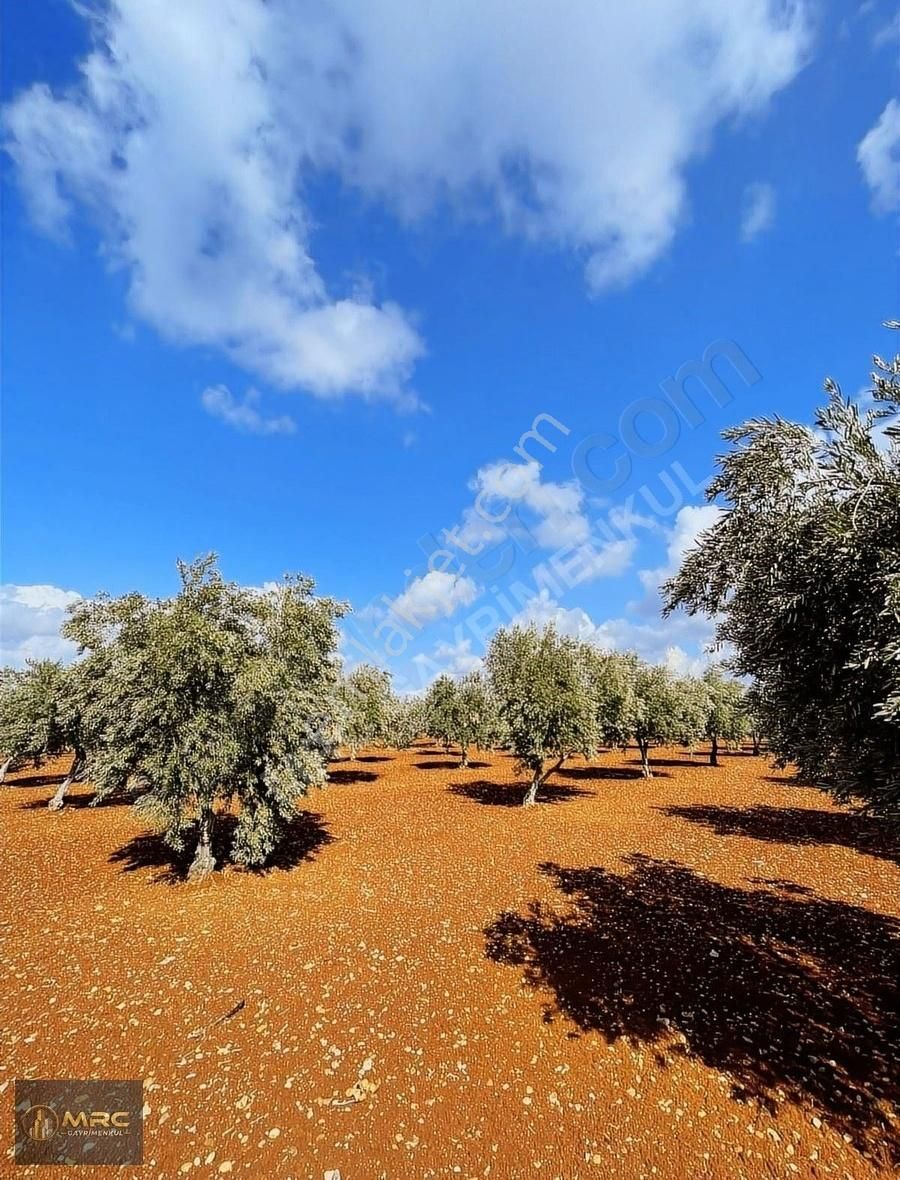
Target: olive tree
(660, 710)
(407, 721)
(610, 675)
(210, 697)
(802, 572)
(465, 714)
(367, 708)
(440, 709)
(542, 683)
(726, 714)
(40, 718)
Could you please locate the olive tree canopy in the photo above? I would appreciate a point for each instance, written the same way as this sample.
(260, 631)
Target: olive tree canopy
(802, 572)
(211, 696)
(542, 683)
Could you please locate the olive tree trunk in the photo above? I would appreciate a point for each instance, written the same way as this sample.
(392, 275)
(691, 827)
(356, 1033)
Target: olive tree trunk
(463, 757)
(4, 768)
(714, 751)
(59, 798)
(644, 748)
(204, 861)
(538, 779)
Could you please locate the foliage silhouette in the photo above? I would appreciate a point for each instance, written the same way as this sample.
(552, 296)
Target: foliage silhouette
(795, 825)
(791, 997)
(302, 838)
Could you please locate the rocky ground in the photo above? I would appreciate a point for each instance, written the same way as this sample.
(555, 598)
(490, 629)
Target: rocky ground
(692, 976)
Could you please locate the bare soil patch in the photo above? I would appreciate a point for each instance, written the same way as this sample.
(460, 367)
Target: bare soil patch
(689, 976)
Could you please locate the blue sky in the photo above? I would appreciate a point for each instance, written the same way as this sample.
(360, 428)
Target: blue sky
(290, 282)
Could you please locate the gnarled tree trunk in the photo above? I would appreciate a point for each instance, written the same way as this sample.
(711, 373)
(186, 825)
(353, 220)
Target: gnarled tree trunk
(463, 757)
(539, 778)
(531, 793)
(204, 861)
(4, 768)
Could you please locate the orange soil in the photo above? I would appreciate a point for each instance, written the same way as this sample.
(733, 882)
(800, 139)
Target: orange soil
(694, 976)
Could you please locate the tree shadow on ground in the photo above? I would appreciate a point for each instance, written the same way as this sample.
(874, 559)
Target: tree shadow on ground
(374, 758)
(79, 801)
(512, 794)
(795, 825)
(700, 760)
(451, 764)
(32, 780)
(596, 773)
(792, 998)
(303, 837)
(345, 778)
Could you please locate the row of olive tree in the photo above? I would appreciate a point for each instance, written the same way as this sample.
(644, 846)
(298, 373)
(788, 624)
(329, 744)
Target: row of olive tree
(802, 572)
(557, 697)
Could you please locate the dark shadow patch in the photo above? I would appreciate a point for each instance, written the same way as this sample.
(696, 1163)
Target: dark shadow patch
(795, 825)
(375, 758)
(451, 764)
(792, 998)
(78, 802)
(512, 794)
(699, 760)
(345, 778)
(302, 838)
(33, 780)
(597, 773)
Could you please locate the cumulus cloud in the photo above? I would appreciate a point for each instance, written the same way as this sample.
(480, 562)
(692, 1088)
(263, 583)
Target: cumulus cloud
(690, 522)
(879, 158)
(453, 659)
(435, 595)
(679, 642)
(193, 131)
(30, 618)
(759, 210)
(185, 141)
(220, 402)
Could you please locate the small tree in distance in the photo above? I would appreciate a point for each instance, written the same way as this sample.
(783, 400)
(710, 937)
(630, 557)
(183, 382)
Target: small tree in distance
(656, 711)
(726, 718)
(471, 716)
(542, 685)
(367, 706)
(440, 710)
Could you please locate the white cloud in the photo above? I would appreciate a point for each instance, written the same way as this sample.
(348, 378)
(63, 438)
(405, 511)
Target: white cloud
(679, 641)
(454, 659)
(30, 618)
(543, 610)
(437, 594)
(879, 158)
(182, 142)
(193, 129)
(759, 210)
(557, 509)
(220, 402)
(690, 522)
